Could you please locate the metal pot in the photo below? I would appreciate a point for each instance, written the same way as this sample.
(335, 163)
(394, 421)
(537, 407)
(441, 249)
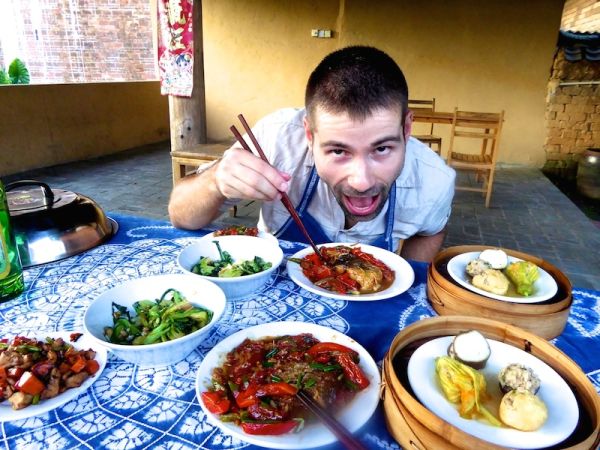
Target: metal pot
(52, 224)
(588, 173)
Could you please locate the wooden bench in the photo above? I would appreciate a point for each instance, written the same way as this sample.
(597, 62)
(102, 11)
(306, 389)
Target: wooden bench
(183, 161)
(190, 159)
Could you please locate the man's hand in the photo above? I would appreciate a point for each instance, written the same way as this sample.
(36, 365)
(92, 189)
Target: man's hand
(243, 175)
(196, 199)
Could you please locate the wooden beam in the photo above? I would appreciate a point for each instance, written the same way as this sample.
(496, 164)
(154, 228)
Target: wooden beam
(187, 116)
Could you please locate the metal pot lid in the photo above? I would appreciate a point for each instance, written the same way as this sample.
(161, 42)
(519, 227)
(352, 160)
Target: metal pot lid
(28, 196)
(52, 224)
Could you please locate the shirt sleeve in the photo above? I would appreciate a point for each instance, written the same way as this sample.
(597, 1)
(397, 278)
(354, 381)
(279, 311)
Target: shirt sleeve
(440, 210)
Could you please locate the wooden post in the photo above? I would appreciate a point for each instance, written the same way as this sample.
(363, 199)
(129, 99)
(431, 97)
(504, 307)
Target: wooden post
(187, 116)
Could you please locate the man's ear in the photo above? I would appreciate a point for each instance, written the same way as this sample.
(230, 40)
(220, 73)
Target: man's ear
(408, 121)
(308, 132)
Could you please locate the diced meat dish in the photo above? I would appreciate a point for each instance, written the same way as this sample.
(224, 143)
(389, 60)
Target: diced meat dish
(32, 371)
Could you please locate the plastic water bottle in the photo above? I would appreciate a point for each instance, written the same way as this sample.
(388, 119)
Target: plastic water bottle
(11, 271)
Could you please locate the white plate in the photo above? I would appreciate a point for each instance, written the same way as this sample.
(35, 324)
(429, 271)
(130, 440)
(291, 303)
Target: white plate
(353, 415)
(405, 276)
(261, 234)
(543, 289)
(563, 412)
(83, 343)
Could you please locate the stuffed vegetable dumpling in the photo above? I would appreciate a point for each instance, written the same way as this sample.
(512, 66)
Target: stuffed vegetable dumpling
(523, 274)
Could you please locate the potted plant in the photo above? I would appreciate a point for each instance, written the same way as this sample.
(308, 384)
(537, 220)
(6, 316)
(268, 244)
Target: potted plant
(17, 73)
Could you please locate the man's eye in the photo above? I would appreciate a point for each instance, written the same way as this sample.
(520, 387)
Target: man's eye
(382, 149)
(338, 151)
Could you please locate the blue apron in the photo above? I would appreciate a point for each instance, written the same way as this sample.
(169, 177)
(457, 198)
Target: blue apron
(290, 231)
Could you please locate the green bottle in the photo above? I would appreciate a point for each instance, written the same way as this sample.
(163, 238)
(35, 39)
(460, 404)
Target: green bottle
(11, 272)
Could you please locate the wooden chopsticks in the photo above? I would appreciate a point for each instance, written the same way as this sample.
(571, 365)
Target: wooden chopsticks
(344, 436)
(284, 197)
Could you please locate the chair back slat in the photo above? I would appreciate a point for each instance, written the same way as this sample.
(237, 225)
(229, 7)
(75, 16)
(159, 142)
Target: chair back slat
(426, 106)
(472, 125)
(473, 134)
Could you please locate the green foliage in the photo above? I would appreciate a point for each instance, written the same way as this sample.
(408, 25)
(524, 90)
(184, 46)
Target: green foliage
(4, 78)
(226, 268)
(17, 73)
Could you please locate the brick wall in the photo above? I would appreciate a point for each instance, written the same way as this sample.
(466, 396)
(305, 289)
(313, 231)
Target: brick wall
(572, 113)
(573, 101)
(66, 41)
(581, 15)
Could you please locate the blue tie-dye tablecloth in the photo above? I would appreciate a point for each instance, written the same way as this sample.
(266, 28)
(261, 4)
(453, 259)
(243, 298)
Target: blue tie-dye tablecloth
(133, 408)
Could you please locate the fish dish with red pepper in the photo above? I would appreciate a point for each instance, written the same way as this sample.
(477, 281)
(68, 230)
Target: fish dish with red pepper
(347, 270)
(257, 384)
(32, 370)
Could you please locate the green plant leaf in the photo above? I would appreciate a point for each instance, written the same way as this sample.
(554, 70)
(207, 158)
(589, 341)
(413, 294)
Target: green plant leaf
(4, 78)
(18, 72)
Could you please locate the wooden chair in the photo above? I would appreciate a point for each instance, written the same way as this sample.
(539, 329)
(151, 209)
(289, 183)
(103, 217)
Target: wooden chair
(429, 139)
(471, 126)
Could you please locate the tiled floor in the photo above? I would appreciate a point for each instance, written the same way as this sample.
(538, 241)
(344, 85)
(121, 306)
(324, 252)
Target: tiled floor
(527, 212)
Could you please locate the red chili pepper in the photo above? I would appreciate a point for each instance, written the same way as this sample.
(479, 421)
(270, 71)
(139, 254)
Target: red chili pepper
(323, 347)
(247, 397)
(351, 370)
(79, 364)
(276, 389)
(215, 402)
(237, 230)
(92, 366)
(20, 340)
(332, 284)
(3, 378)
(313, 258)
(250, 396)
(345, 279)
(371, 259)
(74, 337)
(318, 273)
(269, 428)
(29, 384)
(14, 373)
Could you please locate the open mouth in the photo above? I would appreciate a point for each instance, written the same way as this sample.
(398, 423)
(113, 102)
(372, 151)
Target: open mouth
(361, 206)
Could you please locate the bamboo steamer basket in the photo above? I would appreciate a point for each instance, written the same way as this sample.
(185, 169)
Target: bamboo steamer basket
(415, 427)
(546, 319)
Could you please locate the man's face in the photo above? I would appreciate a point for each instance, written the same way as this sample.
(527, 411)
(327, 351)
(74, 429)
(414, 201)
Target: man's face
(359, 159)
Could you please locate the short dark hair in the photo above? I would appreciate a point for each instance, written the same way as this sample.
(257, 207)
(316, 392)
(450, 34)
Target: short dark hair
(356, 80)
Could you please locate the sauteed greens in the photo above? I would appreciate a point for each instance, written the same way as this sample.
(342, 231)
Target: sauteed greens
(164, 319)
(226, 268)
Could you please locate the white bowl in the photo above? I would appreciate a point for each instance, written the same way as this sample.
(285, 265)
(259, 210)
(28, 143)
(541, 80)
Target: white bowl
(201, 293)
(241, 248)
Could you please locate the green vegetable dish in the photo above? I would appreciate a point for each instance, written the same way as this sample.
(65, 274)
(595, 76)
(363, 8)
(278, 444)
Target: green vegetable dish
(164, 319)
(226, 268)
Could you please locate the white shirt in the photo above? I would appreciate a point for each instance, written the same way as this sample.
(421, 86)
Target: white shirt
(424, 188)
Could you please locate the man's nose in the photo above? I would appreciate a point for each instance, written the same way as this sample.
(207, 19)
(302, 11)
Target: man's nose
(361, 176)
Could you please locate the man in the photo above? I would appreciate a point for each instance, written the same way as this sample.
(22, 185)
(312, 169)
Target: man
(347, 163)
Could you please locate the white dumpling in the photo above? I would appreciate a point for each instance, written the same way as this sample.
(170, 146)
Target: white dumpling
(496, 258)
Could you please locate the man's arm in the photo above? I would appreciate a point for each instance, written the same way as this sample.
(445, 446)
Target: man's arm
(423, 248)
(195, 201)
